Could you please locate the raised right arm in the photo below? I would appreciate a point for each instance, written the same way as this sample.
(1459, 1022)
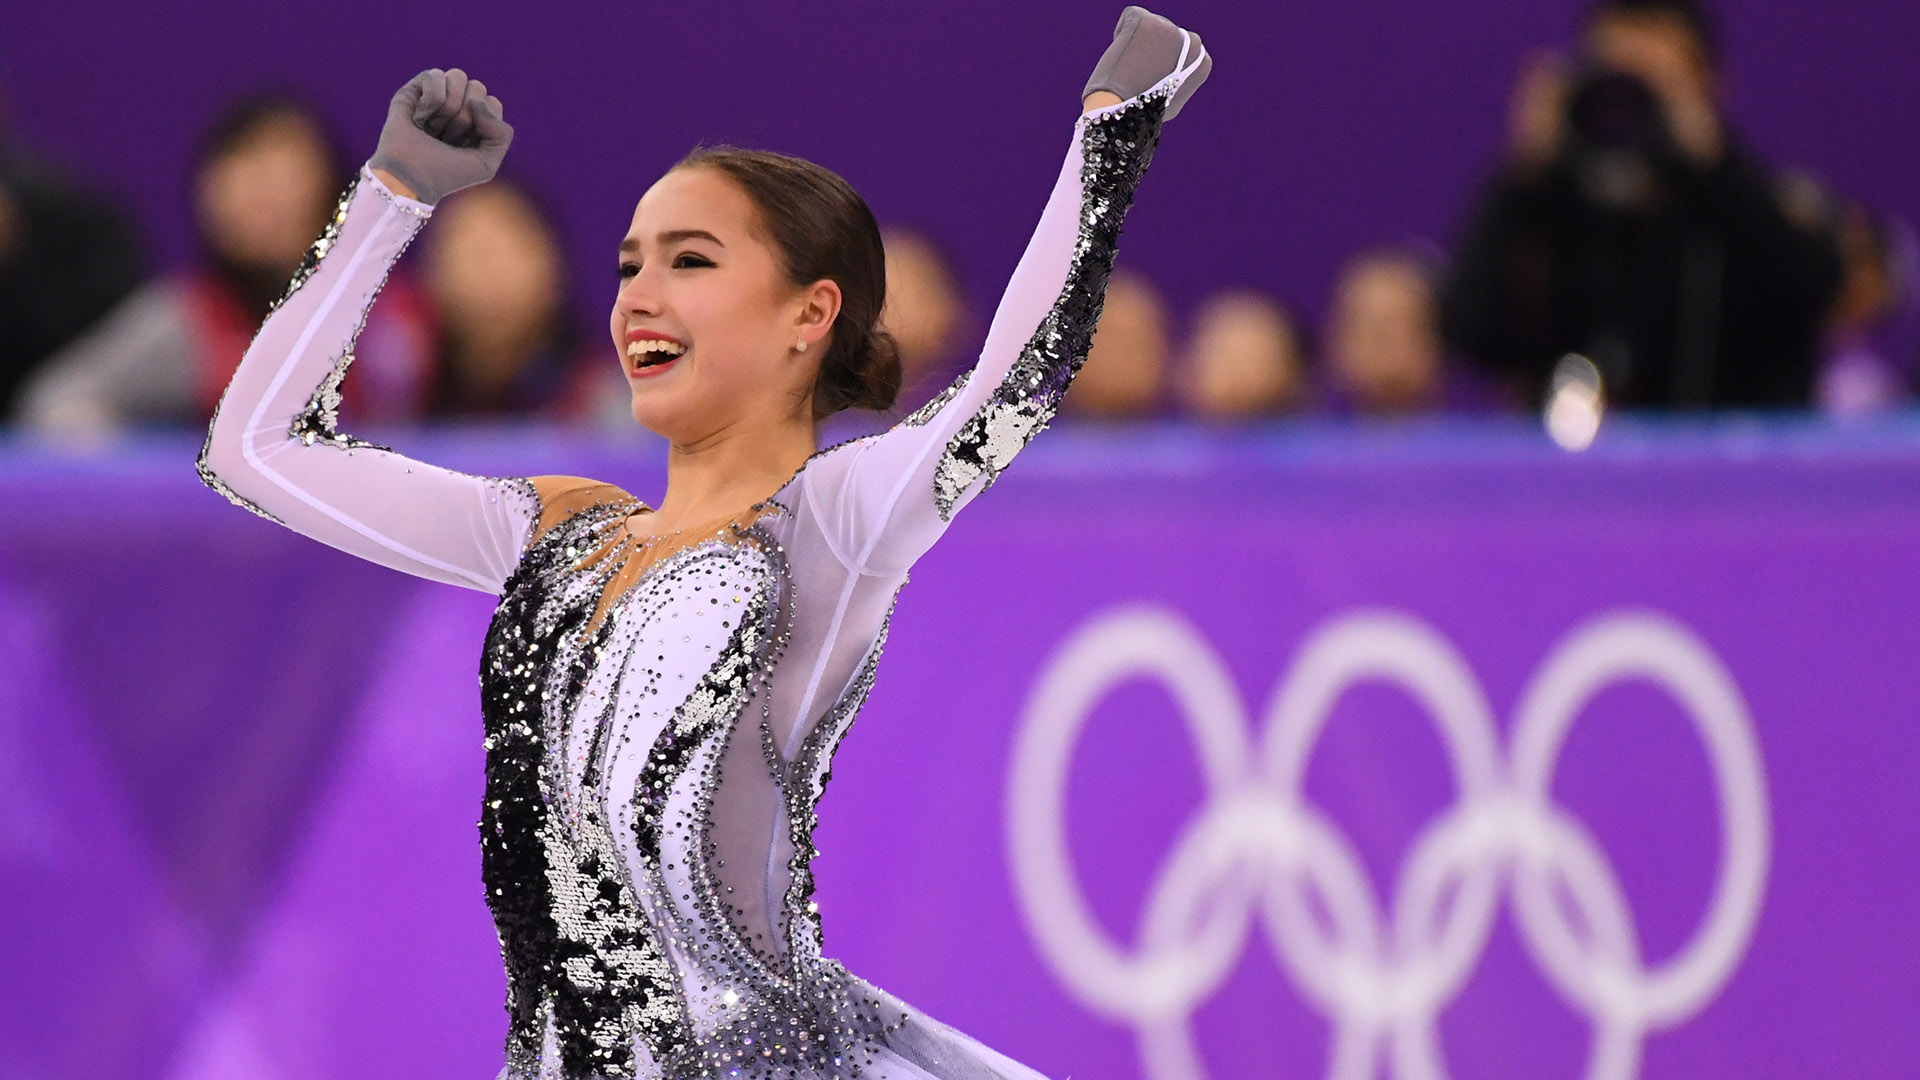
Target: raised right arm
(273, 446)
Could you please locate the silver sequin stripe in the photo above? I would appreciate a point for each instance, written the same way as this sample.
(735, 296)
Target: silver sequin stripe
(806, 783)
(1116, 149)
(707, 720)
(320, 420)
(791, 1016)
(309, 263)
(782, 1018)
(774, 1022)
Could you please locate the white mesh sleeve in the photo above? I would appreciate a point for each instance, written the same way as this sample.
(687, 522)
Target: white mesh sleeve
(273, 447)
(883, 500)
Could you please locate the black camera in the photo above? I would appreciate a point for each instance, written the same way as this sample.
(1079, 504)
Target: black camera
(1617, 146)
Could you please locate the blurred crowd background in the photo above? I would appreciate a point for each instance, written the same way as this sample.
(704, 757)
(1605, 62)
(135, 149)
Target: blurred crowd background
(1388, 244)
(1626, 245)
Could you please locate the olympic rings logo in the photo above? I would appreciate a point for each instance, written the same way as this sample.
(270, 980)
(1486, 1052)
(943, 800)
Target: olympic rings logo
(1258, 847)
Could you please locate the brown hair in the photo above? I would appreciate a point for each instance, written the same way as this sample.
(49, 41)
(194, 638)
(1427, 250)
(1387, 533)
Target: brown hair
(824, 229)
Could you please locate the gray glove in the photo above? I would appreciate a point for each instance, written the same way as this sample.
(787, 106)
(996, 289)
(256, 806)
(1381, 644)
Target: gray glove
(1146, 49)
(443, 133)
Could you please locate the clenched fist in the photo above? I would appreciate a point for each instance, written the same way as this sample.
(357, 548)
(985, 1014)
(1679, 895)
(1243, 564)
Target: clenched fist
(444, 132)
(1145, 49)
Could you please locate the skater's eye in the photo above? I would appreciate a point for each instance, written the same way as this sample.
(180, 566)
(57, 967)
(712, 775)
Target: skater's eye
(686, 260)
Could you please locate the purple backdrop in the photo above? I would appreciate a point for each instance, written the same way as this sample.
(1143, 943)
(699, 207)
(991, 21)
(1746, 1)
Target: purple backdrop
(239, 772)
(1326, 128)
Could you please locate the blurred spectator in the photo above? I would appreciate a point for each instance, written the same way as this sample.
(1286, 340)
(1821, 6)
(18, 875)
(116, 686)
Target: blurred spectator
(1243, 360)
(925, 312)
(1383, 349)
(496, 279)
(1384, 355)
(1630, 225)
(264, 183)
(1126, 363)
(1870, 331)
(66, 258)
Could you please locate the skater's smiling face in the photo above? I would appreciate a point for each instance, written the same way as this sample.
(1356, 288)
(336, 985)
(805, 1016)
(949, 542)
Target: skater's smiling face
(708, 321)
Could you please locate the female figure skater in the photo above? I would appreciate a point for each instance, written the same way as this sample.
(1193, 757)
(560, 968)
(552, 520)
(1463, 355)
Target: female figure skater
(663, 687)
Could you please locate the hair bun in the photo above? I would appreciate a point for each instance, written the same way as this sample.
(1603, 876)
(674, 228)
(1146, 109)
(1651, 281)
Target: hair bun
(863, 375)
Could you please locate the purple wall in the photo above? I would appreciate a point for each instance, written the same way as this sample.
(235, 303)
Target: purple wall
(1326, 127)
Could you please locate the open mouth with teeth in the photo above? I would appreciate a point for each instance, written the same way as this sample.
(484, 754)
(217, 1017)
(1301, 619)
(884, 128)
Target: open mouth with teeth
(653, 353)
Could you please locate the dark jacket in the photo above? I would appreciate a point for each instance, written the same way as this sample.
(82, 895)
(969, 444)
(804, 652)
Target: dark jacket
(73, 257)
(1713, 297)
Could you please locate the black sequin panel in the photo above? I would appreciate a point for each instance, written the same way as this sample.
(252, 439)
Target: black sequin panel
(573, 921)
(572, 934)
(1116, 149)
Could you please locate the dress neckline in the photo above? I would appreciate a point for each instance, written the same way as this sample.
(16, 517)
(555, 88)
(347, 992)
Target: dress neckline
(637, 556)
(643, 510)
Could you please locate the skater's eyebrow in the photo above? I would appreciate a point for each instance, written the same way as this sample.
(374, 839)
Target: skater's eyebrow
(672, 236)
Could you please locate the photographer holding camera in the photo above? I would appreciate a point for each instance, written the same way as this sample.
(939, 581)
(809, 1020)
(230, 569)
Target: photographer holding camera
(1629, 226)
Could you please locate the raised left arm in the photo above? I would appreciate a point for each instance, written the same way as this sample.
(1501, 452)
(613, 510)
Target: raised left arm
(882, 501)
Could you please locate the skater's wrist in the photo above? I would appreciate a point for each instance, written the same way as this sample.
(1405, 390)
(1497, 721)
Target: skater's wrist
(393, 183)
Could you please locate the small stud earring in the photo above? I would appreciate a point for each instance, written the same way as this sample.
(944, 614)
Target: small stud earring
(801, 345)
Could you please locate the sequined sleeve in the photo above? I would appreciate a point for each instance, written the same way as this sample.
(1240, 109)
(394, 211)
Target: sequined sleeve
(883, 500)
(274, 447)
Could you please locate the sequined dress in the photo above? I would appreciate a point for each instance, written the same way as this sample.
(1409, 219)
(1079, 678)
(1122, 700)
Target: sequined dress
(659, 723)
